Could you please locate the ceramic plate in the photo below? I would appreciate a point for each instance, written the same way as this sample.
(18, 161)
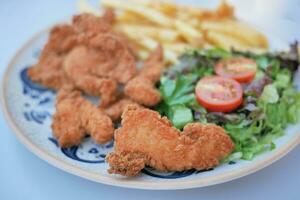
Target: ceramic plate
(28, 108)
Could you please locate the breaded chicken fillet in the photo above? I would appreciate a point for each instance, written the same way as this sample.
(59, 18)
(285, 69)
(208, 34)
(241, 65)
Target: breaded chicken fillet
(142, 89)
(76, 117)
(116, 109)
(147, 139)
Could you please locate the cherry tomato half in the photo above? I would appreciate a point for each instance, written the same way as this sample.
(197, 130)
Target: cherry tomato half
(219, 94)
(240, 69)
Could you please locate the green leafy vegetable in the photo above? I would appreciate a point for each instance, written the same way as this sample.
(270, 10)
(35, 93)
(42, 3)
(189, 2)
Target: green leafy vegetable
(215, 53)
(262, 62)
(179, 91)
(292, 100)
(269, 94)
(283, 79)
(270, 101)
(180, 116)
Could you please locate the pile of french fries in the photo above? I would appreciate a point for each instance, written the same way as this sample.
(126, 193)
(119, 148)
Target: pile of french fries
(177, 27)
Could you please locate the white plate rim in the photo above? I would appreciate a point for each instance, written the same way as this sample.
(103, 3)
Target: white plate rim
(183, 184)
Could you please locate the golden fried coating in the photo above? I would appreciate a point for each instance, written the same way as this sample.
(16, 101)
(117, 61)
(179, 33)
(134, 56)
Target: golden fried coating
(111, 55)
(62, 39)
(142, 89)
(147, 139)
(153, 66)
(76, 117)
(114, 57)
(48, 71)
(80, 66)
(88, 23)
(115, 110)
(96, 68)
(115, 53)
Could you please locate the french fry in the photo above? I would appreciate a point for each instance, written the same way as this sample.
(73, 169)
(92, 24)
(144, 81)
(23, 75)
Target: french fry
(140, 2)
(183, 16)
(192, 35)
(176, 47)
(166, 7)
(127, 17)
(85, 7)
(160, 34)
(177, 27)
(143, 55)
(238, 30)
(141, 40)
(170, 57)
(150, 45)
(225, 41)
(149, 13)
(192, 12)
(228, 42)
(188, 19)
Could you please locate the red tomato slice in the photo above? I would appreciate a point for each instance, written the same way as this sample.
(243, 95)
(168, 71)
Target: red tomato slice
(219, 94)
(240, 69)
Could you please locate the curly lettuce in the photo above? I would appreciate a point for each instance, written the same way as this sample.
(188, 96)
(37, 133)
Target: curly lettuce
(271, 101)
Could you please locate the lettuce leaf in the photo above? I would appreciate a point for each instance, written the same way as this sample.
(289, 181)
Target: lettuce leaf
(269, 94)
(270, 101)
(180, 115)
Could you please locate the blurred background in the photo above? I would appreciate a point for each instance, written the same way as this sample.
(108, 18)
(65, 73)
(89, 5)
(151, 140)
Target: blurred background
(24, 176)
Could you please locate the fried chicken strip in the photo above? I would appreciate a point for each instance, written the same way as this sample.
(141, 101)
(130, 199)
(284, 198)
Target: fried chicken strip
(96, 68)
(111, 53)
(115, 110)
(115, 53)
(88, 23)
(142, 89)
(153, 66)
(76, 117)
(147, 139)
(80, 66)
(62, 39)
(48, 71)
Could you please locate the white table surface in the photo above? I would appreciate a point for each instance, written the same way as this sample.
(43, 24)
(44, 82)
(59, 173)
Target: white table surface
(24, 176)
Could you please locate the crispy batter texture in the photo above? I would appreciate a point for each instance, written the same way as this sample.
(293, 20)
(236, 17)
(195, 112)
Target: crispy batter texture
(116, 109)
(80, 66)
(153, 66)
(62, 39)
(142, 89)
(76, 117)
(115, 53)
(147, 139)
(48, 70)
(87, 23)
(110, 53)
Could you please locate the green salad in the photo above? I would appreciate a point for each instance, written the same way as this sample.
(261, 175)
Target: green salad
(269, 103)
